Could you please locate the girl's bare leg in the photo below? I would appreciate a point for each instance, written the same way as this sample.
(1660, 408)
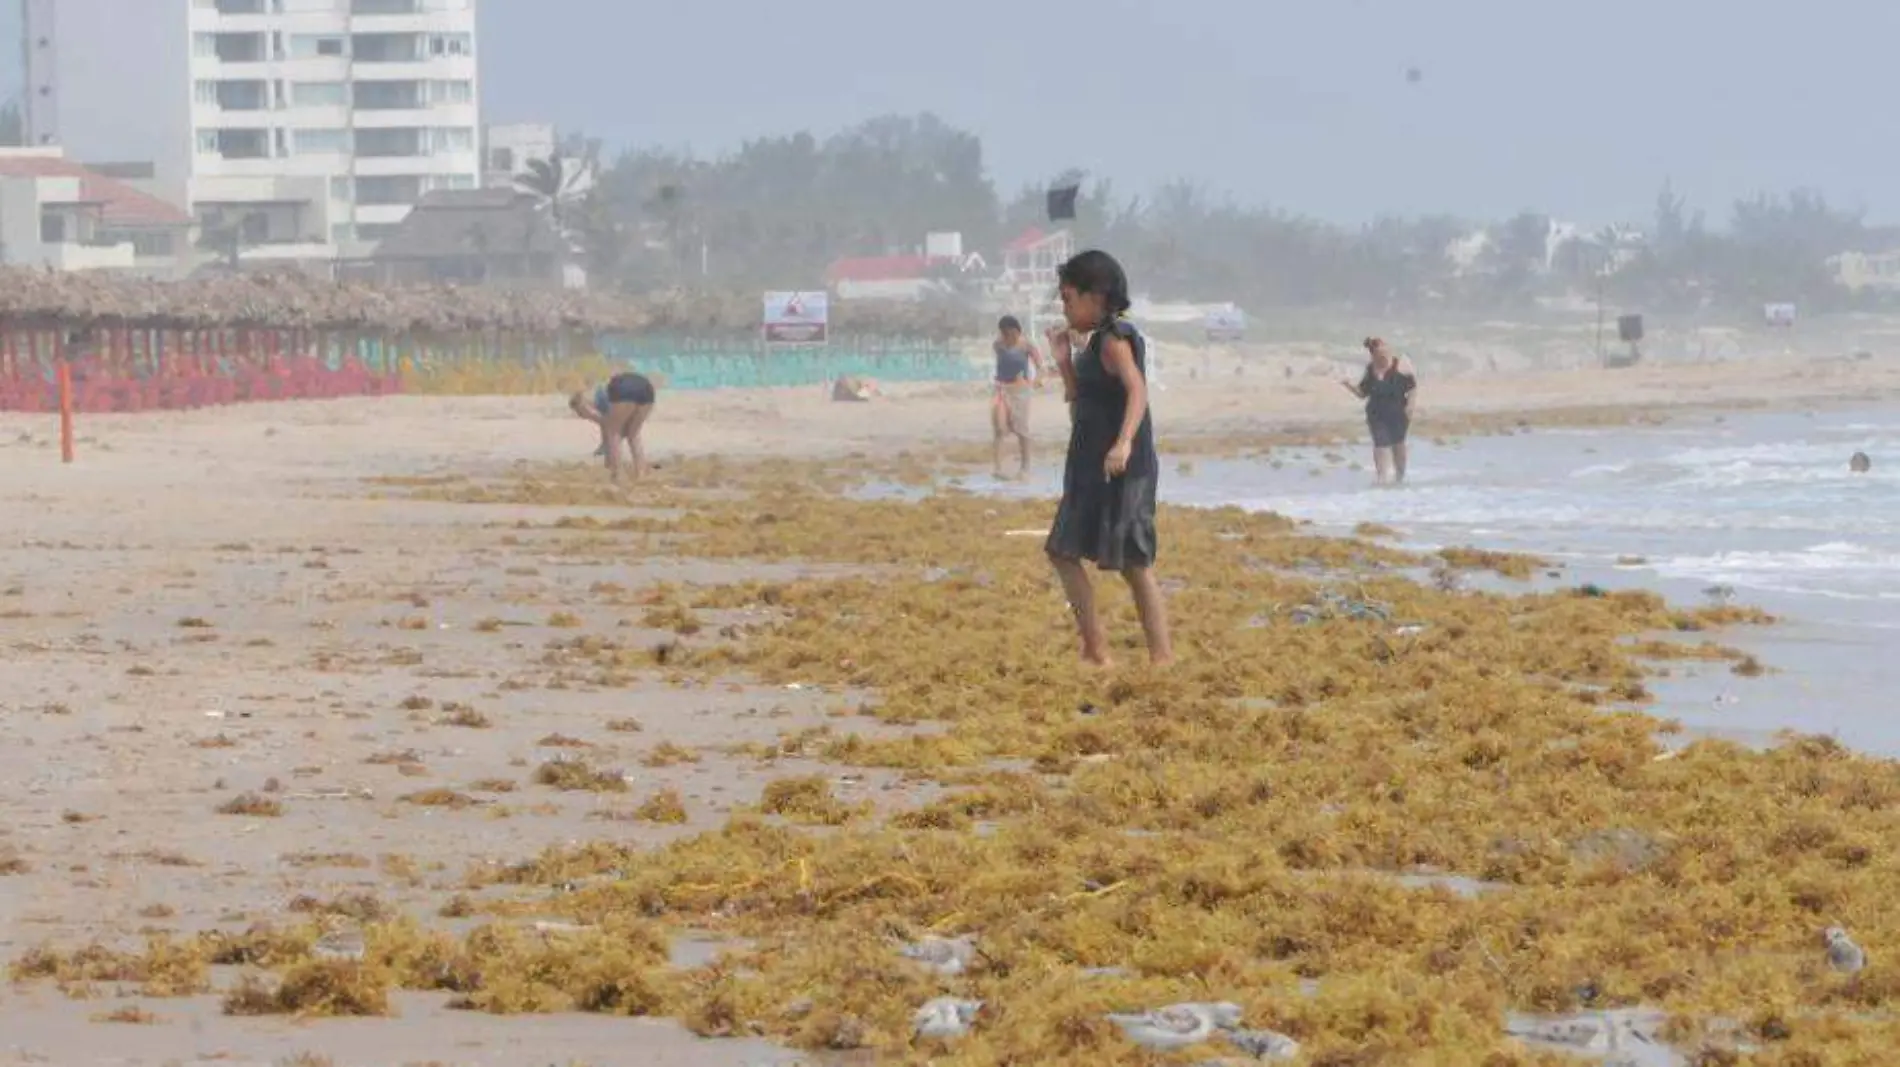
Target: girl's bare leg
(613, 429)
(1022, 451)
(1398, 463)
(635, 444)
(1154, 613)
(1081, 595)
(1382, 462)
(999, 429)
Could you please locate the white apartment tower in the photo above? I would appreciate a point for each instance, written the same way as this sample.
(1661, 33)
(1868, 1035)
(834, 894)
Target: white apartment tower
(297, 129)
(322, 122)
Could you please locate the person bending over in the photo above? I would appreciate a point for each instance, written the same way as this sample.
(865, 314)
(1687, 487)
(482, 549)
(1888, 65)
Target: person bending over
(593, 410)
(620, 408)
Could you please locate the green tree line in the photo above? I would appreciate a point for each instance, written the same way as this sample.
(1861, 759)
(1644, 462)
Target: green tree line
(778, 210)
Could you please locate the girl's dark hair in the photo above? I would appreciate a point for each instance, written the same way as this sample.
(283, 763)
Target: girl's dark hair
(1097, 272)
(1372, 343)
(1007, 323)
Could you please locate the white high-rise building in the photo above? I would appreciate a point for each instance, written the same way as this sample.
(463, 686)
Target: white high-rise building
(294, 129)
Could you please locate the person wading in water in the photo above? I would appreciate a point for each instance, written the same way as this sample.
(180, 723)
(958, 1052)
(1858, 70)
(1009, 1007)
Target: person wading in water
(1387, 387)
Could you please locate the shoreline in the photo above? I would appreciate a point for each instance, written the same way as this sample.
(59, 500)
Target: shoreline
(1195, 417)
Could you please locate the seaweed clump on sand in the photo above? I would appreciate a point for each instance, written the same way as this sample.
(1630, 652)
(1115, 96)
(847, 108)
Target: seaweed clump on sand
(1375, 831)
(1432, 813)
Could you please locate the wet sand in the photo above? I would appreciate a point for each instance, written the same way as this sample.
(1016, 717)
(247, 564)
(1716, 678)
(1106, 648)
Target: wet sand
(213, 603)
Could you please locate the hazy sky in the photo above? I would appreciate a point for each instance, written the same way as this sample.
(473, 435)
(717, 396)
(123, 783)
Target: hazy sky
(1579, 108)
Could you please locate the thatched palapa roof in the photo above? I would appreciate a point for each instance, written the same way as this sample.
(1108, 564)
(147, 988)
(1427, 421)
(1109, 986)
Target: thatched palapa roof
(475, 223)
(294, 300)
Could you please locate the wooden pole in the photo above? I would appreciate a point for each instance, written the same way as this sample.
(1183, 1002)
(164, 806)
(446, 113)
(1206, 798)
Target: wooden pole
(64, 372)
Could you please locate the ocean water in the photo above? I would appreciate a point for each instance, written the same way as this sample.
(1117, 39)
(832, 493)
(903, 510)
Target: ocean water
(1762, 503)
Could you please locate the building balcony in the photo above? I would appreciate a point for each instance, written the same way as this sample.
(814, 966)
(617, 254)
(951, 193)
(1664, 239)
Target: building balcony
(235, 95)
(389, 96)
(432, 68)
(306, 167)
(240, 47)
(438, 22)
(216, 119)
(439, 163)
(203, 20)
(242, 70)
(463, 115)
(387, 191)
(389, 148)
(324, 115)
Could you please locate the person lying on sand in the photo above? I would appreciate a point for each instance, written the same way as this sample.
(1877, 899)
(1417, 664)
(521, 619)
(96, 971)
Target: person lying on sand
(853, 390)
(620, 408)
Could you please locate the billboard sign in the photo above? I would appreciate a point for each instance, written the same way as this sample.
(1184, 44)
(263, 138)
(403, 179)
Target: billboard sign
(794, 318)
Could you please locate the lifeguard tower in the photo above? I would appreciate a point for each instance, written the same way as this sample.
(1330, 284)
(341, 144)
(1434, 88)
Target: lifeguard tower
(1027, 286)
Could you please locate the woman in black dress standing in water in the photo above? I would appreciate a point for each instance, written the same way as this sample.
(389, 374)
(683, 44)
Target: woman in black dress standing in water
(1107, 515)
(1387, 387)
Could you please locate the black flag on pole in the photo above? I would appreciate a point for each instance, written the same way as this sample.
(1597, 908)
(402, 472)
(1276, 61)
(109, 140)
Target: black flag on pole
(1062, 202)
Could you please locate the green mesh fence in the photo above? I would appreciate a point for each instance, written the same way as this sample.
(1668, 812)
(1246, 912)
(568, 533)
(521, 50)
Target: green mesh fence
(683, 363)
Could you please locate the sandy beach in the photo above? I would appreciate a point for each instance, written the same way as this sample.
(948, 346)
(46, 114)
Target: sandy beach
(225, 604)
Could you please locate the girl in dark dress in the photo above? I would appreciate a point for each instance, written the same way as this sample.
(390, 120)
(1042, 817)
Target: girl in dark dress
(1107, 514)
(1387, 387)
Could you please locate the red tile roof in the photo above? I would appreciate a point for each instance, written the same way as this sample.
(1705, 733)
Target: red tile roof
(1027, 240)
(878, 269)
(120, 204)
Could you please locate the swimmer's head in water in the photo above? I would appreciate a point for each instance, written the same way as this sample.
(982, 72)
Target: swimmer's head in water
(1860, 464)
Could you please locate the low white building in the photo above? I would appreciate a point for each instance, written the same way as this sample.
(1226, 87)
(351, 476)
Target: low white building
(508, 147)
(56, 213)
(1867, 271)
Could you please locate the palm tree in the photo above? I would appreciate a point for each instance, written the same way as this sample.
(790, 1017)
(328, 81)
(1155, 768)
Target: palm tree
(554, 184)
